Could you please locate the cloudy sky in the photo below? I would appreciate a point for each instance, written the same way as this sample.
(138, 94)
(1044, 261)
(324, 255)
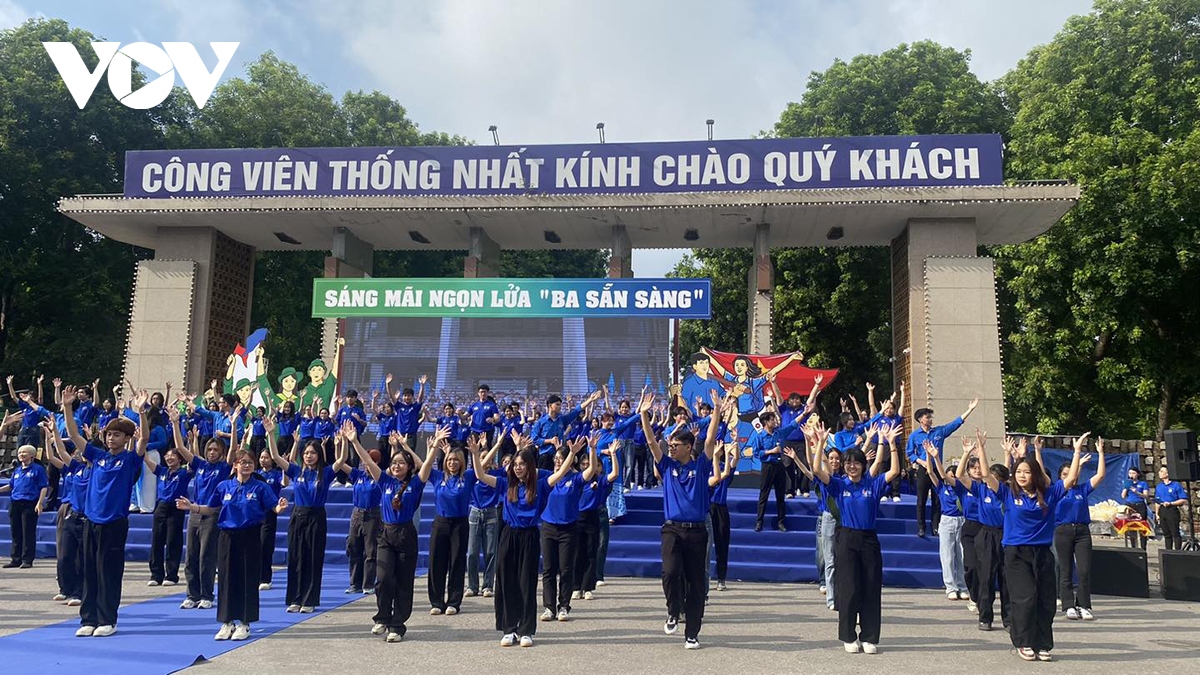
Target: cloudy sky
(546, 72)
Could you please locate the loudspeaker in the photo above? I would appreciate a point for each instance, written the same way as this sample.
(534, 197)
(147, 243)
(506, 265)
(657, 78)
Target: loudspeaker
(1180, 571)
(1120, 571)
(1183, 462)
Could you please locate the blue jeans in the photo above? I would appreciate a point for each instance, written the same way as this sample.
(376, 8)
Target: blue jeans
(950, 549)
(484, 532)
(825, 571)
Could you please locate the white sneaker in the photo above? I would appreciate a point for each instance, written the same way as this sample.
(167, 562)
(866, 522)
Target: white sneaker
(627, 491)
(691, 643)
(378, 629)
(168, 582)
(547, 615)
(104, 631)
(964, 595)
(85, 631)
(434, 611)
(187, 603)
(895, 499)
(451, 611)
(526, 641)
(563, 615)
(821, 588)
(60, 598)
(305, 609)
(204, 604)
(588, 595)
(153, 583)
(1073, 614)
(971, 606)
(394, 637)
(804, 494)
(264, 587)
(487, 593)
(74, 602)
(469, 593)
(225, 633)
(508, 639)
(852, 647)
(952, 595)
(292, 609)
(600, 582)
(1086, 615)
(241, 632)
(575, 595)
(869, 648)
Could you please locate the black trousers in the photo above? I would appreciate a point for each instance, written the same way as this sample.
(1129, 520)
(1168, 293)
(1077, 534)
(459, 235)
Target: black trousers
(685, 571)
(1135, 539)
(773, 477)
(53, 498)
(239, 562)
(397, 566)
(719, 513)
(1073, 543)
(558, 565)
(516, 580)
(22, 517)
(1168, 522)
(69, 547)
(103, 570)
(800, 482)
(858, 585)
(448, 561)
(546, 461)
(989, 556)
(362, 546)
(307, 531)
(285, 445)
(970, 558)
(166, 542)
(925, 492)
(266, 539)
(587, 545)
(639, 473)
(1029, 572)
(201, 566)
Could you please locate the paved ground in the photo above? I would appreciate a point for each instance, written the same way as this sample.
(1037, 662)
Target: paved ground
(752, 628)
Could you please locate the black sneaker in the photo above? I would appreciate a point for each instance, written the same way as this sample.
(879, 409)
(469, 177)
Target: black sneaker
(758, 527)
(985, 626)
(921, 531)
(781, 527)
(671, 625)
(352, 589)
(12, 565)
(26, 565)
(693, 643)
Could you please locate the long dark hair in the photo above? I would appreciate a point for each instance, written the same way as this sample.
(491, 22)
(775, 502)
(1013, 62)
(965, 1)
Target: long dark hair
(1038, 480)
(751, 369)
(403, 455)
(531, 476)
(319, 448)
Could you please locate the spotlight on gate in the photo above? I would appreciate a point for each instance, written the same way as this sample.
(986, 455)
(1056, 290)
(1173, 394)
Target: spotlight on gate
(600, 130)
(552, 237)
(710, 128)
(418, 237)
(691, 234)
(834, 233)
(286, 238)
(495, 134)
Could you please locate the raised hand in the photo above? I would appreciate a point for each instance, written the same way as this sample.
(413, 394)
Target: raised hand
(967, 445)
(870, 387)
(349, 432)
(423, 379)
(395, 439)
(1037, 443)
(57, 382)
(930, 449)
(819, 379)
(387, 379)
(575, 446)
(40, 378)
(891, 433)
(1081, 442)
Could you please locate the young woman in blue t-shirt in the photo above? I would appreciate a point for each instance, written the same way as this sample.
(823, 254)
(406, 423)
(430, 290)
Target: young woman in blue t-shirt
(1073, 537)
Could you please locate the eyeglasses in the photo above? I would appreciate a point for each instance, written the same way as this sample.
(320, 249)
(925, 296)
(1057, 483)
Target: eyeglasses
(676, 445)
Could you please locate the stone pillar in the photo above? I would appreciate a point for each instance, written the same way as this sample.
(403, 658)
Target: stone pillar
(191, 307)
(945, 328)
(352, 258)
(483, 256)
(761, 284)
(620, 262)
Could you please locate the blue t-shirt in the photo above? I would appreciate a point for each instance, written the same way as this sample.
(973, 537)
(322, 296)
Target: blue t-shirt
(1026, 523)
(30, 416)
(111, 483)
(452, 494)
(325, 428)
(885, 421)
(547, 427)
(762, 441)
(844, 440)
(1131, 498)
(991, 507)
(1074, 506)
(27, 482)
(484, 496)
(242, 504)
(789, 416)
(79, 475)
(352, 414)
(949, 500)
(858, 503)
(970, 505)
(408, 417)
(308, 427)
(693, 387)
(523, 514)
(750, 401)
(285, 425)
(256, 429)
(720, 491)
(481, 414)
(410, 499)
(562, 506)
(510, 424)
(450, 422)
(172, 484)
(366, 490)
(387, 424)
(310, 488)
(916, 440)
(208, 476)
(273, 478)
(1164, 493)
(595, 493)
(685, 488)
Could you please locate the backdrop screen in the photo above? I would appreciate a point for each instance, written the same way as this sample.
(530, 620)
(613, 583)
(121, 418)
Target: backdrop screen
(517, 358)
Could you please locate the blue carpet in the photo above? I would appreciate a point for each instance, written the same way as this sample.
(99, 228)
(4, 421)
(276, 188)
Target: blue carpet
(153, 637)
(634, 548)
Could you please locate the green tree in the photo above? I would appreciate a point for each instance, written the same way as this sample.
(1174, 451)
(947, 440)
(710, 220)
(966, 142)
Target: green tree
(1105, 329)
(58, 280)
(834, 304)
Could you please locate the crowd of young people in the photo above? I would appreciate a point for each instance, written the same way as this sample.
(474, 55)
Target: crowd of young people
(526, 490)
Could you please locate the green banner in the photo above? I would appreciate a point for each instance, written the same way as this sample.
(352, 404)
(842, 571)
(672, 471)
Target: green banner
(512, 298)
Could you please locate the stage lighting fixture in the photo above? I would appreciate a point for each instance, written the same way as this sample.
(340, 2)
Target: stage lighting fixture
(691, 234)
(495, 134)
(552, 237)
(418, 237)
(600, 130)
(834, 233)
(281, 236)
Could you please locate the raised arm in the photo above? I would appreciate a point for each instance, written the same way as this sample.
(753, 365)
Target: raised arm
(573, 448)
(985, 466)
(484, 477)
(794, 356)
(594, 466)
(273, 444)
(935, 467)
(817, 441)
(341, 461)
(643, 411)
(439, 438)
(713, 361)
(1100, 466)
(1073, 472)
(714, 422)
(68, 412)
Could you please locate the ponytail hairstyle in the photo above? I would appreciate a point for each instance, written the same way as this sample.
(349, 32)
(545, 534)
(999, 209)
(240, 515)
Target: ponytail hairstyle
(531, 476)
(1038, 480)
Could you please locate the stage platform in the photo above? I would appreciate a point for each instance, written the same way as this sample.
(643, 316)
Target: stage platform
(634, 546)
